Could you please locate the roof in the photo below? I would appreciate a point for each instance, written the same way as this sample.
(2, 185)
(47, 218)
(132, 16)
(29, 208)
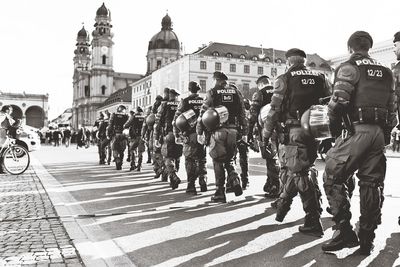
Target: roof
(24, 95)
(119, 96)
(132, 76)
(102, 11)
(256, 53)
(166, 38)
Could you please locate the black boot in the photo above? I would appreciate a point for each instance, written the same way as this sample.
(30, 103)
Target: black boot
(343, 237)
(139, 165)
(219, 196)
(203, 184)
(157, 175)
(237, 188)
(164, 177)
(191, 189)
(312, 226)
(366, 242)
(245, 181)
(174, 181)
(133, 166)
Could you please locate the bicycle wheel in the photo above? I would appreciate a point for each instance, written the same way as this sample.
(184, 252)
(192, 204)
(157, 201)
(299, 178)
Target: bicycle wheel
(16, 160)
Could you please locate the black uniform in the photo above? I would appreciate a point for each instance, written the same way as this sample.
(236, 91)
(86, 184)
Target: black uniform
(135, 124)
(223, 140)
(118, 146)
(195, 153)
(104, 143)
(259, 100)
(158, 159)
(169, 150)
(294, 92)
(363, 92)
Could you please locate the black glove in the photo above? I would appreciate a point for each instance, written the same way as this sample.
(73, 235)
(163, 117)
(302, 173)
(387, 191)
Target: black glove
(387, 133)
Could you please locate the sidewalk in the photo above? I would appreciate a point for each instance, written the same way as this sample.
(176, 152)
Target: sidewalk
(31, 234)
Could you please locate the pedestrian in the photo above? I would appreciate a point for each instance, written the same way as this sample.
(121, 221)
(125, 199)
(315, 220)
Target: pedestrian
(114, 131)
(222, 120)
(363, 94)
(260, 99)
(170, 150)
(136, 143)
(67, 136)
(295, 91)
(185, 126)
(80, 137)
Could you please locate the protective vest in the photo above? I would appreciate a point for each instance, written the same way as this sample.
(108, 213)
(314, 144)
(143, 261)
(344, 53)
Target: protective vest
(266, 93)
(372, 92)
(304, 90)
(193, 102)
(119, 121)
(229, 98)
(136, 127)
(169, 113)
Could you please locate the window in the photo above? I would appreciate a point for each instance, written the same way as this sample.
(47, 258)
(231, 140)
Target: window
(217, 66)
(103, 90)
(312, 65)
(229, 55)
(104, 59)
(232, 68)
(158, 64)
(215, 54)
(254, 58)
(203, 85)
(87, 90)
(246, 69)
(279, 61)
(267, 59)
(260, 70)
(242, 56)
(246, 86)
(203, 65)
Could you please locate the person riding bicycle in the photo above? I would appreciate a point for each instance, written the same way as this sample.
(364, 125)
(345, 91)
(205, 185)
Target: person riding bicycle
(6, 122)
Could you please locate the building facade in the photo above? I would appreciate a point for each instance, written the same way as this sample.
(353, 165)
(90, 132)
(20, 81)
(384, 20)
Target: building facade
(242, 64)
(94, 78)
(31, 109)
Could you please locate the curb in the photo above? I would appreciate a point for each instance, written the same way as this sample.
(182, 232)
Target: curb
(94, 245)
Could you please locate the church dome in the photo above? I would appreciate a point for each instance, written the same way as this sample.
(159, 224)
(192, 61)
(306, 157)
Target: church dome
(102, 11)
(82, 32)
(166, 38)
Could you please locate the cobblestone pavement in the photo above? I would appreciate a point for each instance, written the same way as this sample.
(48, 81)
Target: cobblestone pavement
(30, 232)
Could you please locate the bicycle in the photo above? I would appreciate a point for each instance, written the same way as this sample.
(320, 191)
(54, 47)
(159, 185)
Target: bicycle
(14, 158)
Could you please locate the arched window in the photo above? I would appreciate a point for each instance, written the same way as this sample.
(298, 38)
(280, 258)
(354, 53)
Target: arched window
(242, 56)
(229, 55)
(104, 59)
(312, 65)
(279, 61)
(103, 89)
(267, 59)
(254, 58)
(215, 54)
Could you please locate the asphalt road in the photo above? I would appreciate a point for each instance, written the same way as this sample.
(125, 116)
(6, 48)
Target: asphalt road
(157, 226)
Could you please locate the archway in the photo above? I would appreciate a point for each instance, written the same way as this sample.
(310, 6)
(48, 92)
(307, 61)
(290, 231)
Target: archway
(35, 117)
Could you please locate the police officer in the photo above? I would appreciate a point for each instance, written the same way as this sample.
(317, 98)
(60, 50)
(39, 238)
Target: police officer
(295, 91)
(243, 150)
(114, 130)
(164, 128)
(396, 71)
(96, 127)
(135, 124)
(146, 133)
(362, 94)
(261, 98)
(223, 138)
(195, 153)
(159, 166)
(128, 158)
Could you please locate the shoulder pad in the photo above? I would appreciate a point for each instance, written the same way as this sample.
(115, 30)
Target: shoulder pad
(279, 84)
(348, 72)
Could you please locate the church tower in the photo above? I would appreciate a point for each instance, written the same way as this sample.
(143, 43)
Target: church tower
(102, 55)
(164, 47)
(81, 77)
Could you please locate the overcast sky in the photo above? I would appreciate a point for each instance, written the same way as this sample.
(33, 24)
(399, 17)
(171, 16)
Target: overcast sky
(37, 37)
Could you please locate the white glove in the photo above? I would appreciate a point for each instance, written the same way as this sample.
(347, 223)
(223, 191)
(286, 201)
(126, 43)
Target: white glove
(157, 144)
(244, 138)
(201, 139)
